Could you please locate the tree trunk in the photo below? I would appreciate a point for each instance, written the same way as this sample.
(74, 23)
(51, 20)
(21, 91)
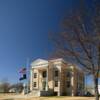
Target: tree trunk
(96, 88)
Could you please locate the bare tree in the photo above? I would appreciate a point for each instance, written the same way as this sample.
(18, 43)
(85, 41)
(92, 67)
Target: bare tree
(18, 87)
(79, 42)
(5, 85)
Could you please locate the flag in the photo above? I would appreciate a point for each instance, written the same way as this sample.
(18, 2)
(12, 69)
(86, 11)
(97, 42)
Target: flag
(23, 71)
(23, 77)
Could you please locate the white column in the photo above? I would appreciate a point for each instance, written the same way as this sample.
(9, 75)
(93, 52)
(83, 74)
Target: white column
(59, 90)
(59, 81)
(47, 80)
(72, 82)
(31, 78)
(40, 81)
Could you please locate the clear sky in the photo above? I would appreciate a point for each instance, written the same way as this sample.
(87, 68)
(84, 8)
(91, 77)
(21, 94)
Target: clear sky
(24, 28)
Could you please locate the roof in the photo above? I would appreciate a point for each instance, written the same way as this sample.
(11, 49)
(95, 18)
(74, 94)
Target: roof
(39, 62)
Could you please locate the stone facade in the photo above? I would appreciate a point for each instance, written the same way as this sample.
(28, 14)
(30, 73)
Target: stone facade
(56, 77)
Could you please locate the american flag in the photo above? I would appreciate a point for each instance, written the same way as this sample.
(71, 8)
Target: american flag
(22, 70)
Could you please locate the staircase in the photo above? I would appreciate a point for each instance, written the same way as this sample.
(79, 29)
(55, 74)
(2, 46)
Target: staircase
(35, 93)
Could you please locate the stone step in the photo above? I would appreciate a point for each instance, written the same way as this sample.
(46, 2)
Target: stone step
(35, 93)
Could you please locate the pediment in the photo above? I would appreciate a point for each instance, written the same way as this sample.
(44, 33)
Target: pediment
(39, 62)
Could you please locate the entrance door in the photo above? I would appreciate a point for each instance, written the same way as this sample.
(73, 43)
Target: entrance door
(44, 85)
(68, 92)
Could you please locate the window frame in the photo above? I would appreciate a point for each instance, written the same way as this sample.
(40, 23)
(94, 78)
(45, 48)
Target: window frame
(68, 85)
(44, 74)
(35, 75)
(68, 74)
(56, 83)
(56, 73)
(35, 84)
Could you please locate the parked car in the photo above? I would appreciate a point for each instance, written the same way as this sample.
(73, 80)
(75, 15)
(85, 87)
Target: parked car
(88, 94)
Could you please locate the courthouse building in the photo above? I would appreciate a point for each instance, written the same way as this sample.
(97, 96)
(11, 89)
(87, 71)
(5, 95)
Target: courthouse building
(56, 77)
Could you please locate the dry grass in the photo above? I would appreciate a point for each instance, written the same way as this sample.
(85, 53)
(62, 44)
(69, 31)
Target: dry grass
(59, 98)
(19, 97)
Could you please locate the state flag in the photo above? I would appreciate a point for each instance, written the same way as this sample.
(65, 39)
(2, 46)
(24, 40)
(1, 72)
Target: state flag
(23, 77)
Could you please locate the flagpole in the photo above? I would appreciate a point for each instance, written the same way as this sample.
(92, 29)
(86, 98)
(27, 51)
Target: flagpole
(27, 72)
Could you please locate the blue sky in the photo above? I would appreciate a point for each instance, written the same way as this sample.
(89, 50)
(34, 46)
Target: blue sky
(24, 28)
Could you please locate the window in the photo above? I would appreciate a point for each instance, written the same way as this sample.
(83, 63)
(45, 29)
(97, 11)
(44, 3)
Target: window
(68, 84)
(56, 83)
(68, 74)
(34, 84)
(35, 75)
(44, 74)
(56, 73)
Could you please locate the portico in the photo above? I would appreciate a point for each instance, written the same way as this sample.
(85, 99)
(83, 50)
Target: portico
(39, 75)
